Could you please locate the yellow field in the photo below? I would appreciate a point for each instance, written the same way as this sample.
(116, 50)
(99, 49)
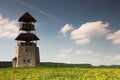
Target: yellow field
(50, 73)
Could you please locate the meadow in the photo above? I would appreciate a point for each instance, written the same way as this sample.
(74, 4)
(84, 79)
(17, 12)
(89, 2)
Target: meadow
(59, 73)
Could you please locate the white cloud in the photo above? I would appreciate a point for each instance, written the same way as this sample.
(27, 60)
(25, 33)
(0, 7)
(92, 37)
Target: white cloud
(65, 29)
(113, 57)
(94, 60)
(82, 52)
(8, 29)
(85, 32)
(64, 53)
(115, 37)
(89, 56)
(87, 53)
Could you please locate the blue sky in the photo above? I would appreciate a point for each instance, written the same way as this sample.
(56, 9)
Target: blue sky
(70, 31)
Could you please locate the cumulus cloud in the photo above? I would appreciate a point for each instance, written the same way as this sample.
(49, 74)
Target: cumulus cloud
(85, 32)
(64, 53)
(8, 29)
(65, 29)
(115, 37)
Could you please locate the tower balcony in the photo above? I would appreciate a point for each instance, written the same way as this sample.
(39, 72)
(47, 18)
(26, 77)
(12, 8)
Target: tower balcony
(26, 44)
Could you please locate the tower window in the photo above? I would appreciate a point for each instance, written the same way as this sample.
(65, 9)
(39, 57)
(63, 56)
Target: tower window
(26, 50)
(28, 60)
(24, 60)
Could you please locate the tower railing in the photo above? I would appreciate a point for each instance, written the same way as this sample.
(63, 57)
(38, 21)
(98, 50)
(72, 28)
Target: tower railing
(25, 26)
(25, 44)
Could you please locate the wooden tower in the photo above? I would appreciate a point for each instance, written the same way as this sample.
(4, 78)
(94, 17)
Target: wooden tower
(27, 52)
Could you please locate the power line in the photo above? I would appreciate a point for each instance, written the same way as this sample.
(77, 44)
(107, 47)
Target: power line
(39, 10)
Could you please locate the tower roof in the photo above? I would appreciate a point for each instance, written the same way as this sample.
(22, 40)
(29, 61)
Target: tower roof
(26, 18)
(27, 37)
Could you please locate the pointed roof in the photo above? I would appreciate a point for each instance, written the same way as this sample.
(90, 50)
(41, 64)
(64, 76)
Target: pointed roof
(26, 18)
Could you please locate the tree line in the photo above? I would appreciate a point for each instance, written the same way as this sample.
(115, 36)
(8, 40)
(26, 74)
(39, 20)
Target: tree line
(5, 64)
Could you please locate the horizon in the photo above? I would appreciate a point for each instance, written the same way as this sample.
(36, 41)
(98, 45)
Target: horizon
(72, 63)
(80, 31)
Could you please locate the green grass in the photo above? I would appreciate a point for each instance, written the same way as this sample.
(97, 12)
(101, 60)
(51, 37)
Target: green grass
(59, 73)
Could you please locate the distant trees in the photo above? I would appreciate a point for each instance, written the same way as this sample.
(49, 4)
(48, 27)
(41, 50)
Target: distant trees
(5, 64)
(51, 64)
